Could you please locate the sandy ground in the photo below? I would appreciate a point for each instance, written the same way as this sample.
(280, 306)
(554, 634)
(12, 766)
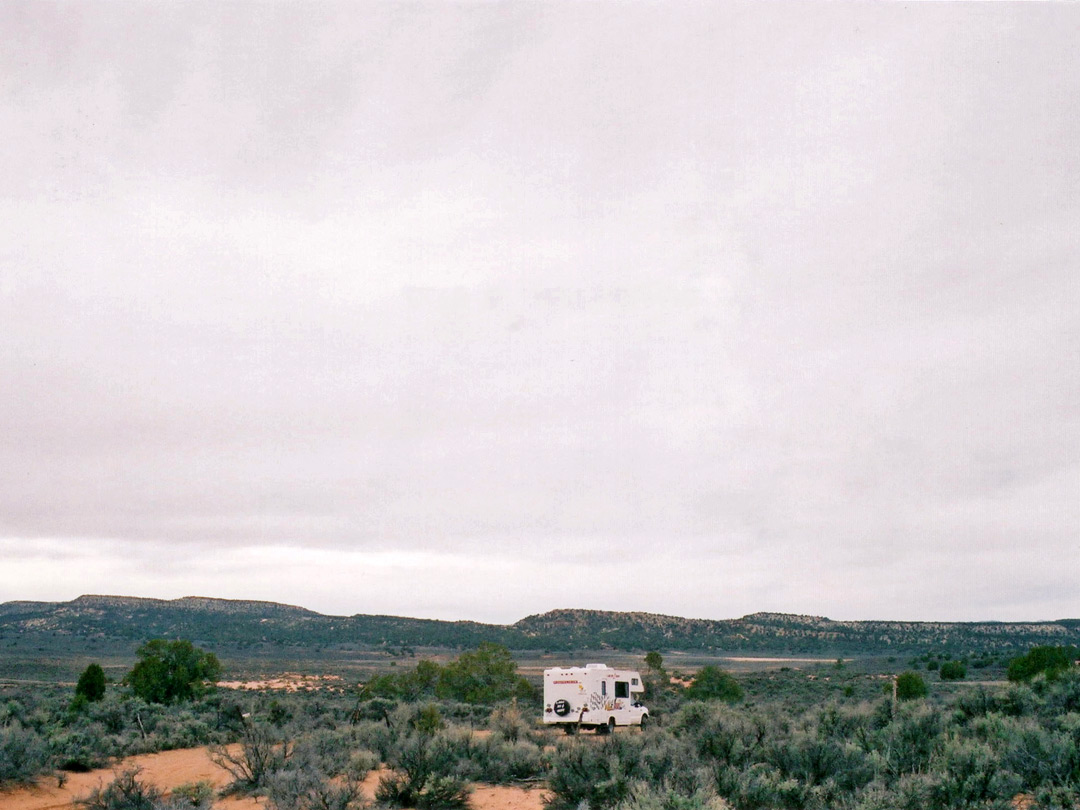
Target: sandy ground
(167, 770)
(287, 682)
(170, 769)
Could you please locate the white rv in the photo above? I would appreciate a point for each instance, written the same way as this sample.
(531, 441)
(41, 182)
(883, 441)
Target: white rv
(593, 696)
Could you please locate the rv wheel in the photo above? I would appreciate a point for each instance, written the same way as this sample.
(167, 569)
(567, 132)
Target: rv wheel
(644, 721)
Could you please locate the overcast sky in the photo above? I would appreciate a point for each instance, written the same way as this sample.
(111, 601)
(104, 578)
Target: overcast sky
(479, 310)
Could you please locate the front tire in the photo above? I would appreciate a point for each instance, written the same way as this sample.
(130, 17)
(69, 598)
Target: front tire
(644, 721)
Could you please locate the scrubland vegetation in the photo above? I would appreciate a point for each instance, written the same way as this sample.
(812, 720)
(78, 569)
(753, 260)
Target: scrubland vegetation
(828, 736)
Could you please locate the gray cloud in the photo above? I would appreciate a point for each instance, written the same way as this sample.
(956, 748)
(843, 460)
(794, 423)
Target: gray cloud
(779, 295)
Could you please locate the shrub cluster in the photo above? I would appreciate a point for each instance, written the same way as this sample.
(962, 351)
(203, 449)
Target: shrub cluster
(776, 741)
(486, 675)
(981, 751)
(1049, 662)
(41, 729)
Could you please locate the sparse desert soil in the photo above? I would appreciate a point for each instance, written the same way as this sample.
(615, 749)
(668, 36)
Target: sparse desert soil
(287, 682)
(167, 770)
(170, 769)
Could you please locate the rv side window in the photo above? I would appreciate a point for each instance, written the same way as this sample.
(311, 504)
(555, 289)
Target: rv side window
(603, 688)
(622, 689)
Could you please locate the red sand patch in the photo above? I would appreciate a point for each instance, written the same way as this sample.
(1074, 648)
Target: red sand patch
(170, 769)
(166, 770)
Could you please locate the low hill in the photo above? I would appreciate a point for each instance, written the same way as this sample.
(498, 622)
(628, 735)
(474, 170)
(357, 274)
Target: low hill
(236, 623)
(781, 632)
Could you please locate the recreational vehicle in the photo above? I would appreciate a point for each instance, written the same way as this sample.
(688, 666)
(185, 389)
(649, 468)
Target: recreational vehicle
(593, 696)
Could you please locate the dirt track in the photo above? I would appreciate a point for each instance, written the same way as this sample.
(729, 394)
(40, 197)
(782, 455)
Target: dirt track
(170, 769)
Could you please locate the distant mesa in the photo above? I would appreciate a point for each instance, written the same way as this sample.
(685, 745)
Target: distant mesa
(221, 622)
(205, 603)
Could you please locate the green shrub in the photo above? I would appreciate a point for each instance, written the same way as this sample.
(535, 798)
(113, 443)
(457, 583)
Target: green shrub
(1019, 701)
(125, 792)
(170, 671)
(361, 763)
(1061, 696)
(1047, 661)
(953, 671)
(712, 683)
(1055, 798)
(908, 743)
(91, 684)
(720, 734)
(193, 795)
(968, 774)
(499, 762)
(974, 703)
(910, 686)
(412, 685)
(486, 675)
(262, 754)
(1041, 756)
(81, 748)
(278, 714)
(24, 754)
(443, 793)
(909, 792)
(420, 762)
(598, 775)
(428, 720)
(109, 712)
(814, 761)
(376, 708)
(325, 750)
(508, 723)
(764, 787)
(374, 736)
(306, 788)
(644, 796)
(433, 793)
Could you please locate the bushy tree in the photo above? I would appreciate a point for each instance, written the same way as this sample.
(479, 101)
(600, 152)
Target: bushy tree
(1048, 661)
(910, 685)
(411, 685)
(487, 674)
(91, 685)
(172, 671)
(953, 671)
(712, 683)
